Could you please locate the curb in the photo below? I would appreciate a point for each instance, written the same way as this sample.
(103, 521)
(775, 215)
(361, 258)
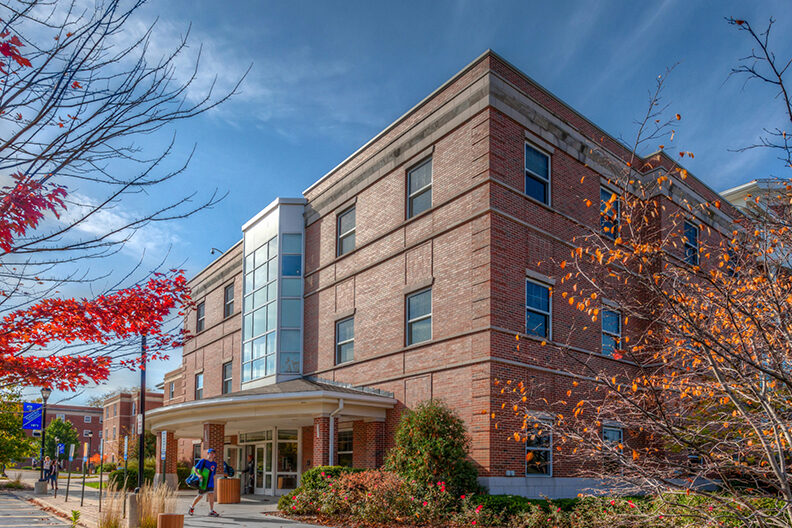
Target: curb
(85, 520)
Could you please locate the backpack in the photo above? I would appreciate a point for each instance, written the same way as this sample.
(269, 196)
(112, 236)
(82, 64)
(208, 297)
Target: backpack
(228, 470)
(193, 480)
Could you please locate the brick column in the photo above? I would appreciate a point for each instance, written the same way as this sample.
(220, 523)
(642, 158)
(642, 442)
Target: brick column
(321, 441)
(171, 453)
(368, 444)
(214, 438)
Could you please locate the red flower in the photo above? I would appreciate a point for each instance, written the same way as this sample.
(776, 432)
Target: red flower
(425, 503)
(462, 497)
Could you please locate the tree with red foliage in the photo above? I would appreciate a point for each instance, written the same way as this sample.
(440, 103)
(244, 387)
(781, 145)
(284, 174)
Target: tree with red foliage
(73, 98)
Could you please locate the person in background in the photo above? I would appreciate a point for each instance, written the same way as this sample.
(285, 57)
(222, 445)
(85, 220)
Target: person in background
(205, 469)
(47, 467)
(53, 475)
(250, 471)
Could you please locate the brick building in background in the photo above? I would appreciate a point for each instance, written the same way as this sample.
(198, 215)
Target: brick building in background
(401, 275)
(86, 421)
(120, 419)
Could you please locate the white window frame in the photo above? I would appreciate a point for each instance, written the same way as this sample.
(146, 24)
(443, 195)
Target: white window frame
(86, 419)
(410, 196)
(197, 388)
(61, 417)
(228, 304)
(340, 236)
(200, 317)
(688, 243)
(339, 445)
(549, 313)
(172, 390)
(549, 423)
(409, 321)
(339, 344)
(86, 433)
(134, 408)
(527, 171)
(616, 207)
(604, 332)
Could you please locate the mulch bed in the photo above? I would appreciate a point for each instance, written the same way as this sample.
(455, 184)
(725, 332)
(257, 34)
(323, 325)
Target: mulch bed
(345, 522)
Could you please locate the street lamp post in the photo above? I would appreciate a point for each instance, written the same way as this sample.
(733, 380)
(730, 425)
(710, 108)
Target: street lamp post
(142, 410)
(45, 394)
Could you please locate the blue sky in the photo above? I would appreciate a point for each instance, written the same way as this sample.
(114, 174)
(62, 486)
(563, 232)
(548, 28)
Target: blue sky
(327, 76)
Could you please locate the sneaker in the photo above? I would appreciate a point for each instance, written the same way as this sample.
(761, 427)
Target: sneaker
(191, 511)
(214, 514)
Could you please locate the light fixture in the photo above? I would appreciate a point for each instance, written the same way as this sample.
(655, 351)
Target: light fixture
(45, 393)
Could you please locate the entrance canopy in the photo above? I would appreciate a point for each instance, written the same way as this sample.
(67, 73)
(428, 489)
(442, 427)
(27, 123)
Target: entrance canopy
(290, 403)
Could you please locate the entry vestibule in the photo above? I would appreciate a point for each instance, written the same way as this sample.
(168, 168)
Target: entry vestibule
(276, 459)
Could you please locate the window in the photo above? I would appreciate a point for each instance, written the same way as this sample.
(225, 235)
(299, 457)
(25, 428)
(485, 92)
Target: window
(612, 438)
(196, 453)
(346, 232)
(101, 419)
(260, 308)
(611, 330)
(537, 309)
(345, 340)
(114, 432)
(539, 449)
(61, 417)
(227, 369)
(291, 306)
(419, 317)
(691, 244)
(134, 409)
(345, 439)
(537, 174)
(199, 386)
(86, 419)
(172, 390)
(115, 409)
(228, 301)
(87, 433)
(610, 213)
(200, 317)
(419, 189)
(100, 434)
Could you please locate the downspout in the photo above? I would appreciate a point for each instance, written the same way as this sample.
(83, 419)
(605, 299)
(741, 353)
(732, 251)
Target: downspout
(332, 432)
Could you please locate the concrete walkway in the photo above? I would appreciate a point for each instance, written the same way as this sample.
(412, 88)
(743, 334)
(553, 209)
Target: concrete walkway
(254, 510)
(15, 511)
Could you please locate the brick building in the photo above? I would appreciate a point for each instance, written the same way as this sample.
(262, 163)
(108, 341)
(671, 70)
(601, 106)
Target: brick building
(404, 274)
(86, 420)
(120, 420)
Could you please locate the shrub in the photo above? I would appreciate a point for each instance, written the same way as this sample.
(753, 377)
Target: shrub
(116, 477)
(374, 496)
(319, 476)
(182, 472)
(432, 446)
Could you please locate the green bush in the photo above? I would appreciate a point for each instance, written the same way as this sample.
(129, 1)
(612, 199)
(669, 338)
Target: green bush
(117, 476)
(107, 467)
(319, 476)
(432, 446)
(182, 472)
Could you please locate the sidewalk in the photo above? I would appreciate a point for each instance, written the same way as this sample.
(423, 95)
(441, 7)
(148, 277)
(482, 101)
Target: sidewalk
(252, 511)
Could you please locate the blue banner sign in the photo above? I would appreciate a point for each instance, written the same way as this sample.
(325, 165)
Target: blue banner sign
(61, 448)
(31, 416)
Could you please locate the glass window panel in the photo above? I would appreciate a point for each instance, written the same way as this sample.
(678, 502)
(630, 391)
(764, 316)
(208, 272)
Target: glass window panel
(611, 435)
(344, 459)
(249, 282)
(271, 342)
(420, 177)
(291, 287)
(536, 324)
(259, 321)
(292, 243)
(287, 434)
(539, 463)
(259, 347)
(273, 247)
(246, 372)
(287, 481)
(258, 369)
(260, 297)
(538, 435)
(691, 233)
(290, 341)
(346, 352)
(609, 344)
(346, 244)
(291, 313)
(260, 277)
(419, 304)
(261, 255)
(346, 221)
(292, 265)
(290, 362)
(535, 188)
(420, 331)
(611, 322)
(345, 330)
(537, 296)
(248, 303)
(249, 262)
(609, 213)
(421, 202)
(259, 467)
(248, 326)
(273, 269)
(270, 364)
(345, 440)
(247, 351)
(272, 291)
(537, 162)
(272, 316)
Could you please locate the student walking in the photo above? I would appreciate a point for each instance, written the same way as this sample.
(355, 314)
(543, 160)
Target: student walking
(53, 474)
(47, 467)
(250, 472)
(205, 470)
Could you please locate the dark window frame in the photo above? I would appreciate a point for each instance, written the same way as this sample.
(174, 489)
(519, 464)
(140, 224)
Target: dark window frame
(342, 447)
(411, 196)
(691, 246)
(228, 301)
(607, 333)
(545, 424)
(200, 317)
(341, 236)
(610, 219)
(227, 382)
(536, 310)
(410, 322)
(339, 344)
(537, 177)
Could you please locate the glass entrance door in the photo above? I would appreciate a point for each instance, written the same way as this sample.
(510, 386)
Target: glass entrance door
(288, 470)
(264, 476)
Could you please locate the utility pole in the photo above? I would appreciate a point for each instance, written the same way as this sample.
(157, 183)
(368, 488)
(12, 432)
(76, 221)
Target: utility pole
(142, 411)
